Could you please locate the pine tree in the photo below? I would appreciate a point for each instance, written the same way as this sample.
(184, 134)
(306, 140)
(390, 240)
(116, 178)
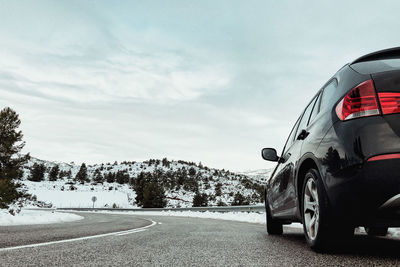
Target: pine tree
(54, 173)
(154, 196)
(200, 200)
(218, 191)
(121, 177)
(11, 160)
(98, 177)
(110, 177)
(37, 173)
(82, 176)
(139, 187)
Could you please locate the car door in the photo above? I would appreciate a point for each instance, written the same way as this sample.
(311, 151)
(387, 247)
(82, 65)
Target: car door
(282, 192)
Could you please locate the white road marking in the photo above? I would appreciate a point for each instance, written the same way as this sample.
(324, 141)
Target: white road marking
(136, 230)
(132, 232)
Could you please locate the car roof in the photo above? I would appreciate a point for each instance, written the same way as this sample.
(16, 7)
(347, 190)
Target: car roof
(379, 61)
(389, 53)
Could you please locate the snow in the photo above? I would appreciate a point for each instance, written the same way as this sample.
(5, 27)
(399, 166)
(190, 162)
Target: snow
(81, 197)
(395, 232)
(28, 217)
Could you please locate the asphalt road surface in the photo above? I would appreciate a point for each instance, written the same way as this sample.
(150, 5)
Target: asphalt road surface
(178, 241)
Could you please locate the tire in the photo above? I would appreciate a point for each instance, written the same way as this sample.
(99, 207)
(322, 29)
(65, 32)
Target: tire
(320, 230)
(274, 226)
(376, 231)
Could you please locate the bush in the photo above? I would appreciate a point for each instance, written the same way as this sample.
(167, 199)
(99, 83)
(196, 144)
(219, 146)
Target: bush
(221, 203)
(239, 200)
(200, 200)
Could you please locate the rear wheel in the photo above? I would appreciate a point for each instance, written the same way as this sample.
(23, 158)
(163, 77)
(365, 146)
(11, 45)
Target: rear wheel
(319, 230)
(274, 226)
(376, 231)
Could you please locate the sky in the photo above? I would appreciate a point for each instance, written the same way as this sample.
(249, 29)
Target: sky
(203, 81)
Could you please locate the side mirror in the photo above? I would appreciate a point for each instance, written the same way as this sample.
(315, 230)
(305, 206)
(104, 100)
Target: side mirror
(269, 154)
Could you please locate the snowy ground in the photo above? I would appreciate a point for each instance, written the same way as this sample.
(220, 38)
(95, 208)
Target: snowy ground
(81, 197)
(26, 217)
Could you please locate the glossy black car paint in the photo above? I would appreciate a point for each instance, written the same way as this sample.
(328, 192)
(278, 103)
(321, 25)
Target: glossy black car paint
(339, 150)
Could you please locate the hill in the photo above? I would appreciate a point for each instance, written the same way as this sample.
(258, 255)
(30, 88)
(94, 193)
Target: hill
(119, 184)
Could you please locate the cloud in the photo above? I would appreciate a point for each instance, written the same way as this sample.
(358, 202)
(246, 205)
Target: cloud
(200, 81)
(159, 77)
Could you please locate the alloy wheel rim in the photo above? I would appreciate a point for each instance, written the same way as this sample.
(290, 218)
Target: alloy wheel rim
(311, 209)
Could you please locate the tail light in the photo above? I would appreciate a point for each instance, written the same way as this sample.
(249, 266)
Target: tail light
(359, 102)
(390, 102)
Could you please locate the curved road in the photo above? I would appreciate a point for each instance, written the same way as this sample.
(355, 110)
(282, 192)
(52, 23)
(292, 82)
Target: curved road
(178, 241)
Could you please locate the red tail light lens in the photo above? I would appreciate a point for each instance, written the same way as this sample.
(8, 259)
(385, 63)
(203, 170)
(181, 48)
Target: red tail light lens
(390, 102)
(359, 102)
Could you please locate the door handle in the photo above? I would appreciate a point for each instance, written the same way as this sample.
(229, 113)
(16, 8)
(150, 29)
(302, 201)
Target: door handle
(303, 135)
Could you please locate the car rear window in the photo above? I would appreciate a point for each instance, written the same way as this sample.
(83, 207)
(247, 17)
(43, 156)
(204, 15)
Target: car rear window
(375, 66)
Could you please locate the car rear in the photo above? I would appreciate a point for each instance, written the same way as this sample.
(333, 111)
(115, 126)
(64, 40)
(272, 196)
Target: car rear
(363, 165)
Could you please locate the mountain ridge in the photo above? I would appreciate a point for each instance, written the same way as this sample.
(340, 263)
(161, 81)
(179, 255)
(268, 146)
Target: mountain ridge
(180, 179)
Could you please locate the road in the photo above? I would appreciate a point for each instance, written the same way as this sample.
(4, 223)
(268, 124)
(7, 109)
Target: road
(178, 241)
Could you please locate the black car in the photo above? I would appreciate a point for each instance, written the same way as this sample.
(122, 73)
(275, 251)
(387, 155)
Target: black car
(340, 167)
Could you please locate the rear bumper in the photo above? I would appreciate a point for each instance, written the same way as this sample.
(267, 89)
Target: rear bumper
(367, 194)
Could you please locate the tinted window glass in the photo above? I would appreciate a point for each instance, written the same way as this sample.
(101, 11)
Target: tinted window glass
(375, 66)
(327, 95)
(306, 115)
(290, 139)
(315, 109)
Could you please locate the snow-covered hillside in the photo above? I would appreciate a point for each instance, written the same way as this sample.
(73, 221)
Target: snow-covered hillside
(259, 175)
(180, 180)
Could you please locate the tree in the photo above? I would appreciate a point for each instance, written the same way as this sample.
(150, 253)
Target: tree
(154, 196)
(98, 177)
(166, 163)
(37, 172)
(110, 177)
(192, 171)
(200, 200)
(239, 200)
(54, 173)
(82, 176)
(122, 177)
(218, 191)
(140, 183)
(11, 159)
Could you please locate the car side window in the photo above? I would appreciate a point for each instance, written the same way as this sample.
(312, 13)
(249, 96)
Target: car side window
(315, 110)
(290, 139)
(327, 95)
(306, 115)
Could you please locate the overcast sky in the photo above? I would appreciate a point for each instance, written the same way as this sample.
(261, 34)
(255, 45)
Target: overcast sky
(210, 81)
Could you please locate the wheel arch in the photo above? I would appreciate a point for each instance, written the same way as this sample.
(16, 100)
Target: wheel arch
(308, 161)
